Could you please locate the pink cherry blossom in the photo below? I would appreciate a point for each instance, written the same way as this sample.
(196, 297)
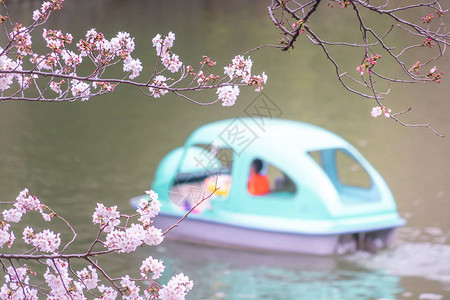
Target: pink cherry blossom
(5, 235)
(148, 209)
(46, 8)
(80, 89)
(57, 278)
(107, 217)
(228, 95)
(12, 215)
(16, 285)
(122, 44)
(176, 288)
(172, 63)
(7, 64)
(162, 45)
(21, 37)
(376, 111)
(46, 241)
(151, 265)
(108, 293)
(70, 58)
(159, 81)
(26, 202)
(88, 277)
(132, 65)
(240, 67)
(433, 70)
(153, 236)
(131, 290)
(56, 86)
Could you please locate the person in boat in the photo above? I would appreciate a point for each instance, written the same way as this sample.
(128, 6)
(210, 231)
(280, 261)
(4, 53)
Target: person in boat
(258, 183)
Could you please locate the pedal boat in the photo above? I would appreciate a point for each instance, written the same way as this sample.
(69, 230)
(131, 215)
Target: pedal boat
(325, 198)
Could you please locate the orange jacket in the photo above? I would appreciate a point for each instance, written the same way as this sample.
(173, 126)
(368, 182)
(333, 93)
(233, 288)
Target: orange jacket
(258, 184)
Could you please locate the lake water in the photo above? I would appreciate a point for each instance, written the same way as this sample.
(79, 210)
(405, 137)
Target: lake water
(73, 155)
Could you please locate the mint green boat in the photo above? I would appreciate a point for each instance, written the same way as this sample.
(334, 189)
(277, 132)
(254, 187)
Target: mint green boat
(282, 186)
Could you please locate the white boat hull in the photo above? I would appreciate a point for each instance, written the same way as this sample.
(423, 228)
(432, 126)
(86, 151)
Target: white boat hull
(218, 234)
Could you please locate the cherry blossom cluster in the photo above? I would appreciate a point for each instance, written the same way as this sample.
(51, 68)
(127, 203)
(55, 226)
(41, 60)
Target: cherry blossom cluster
(344, 3)
(434, 75)
(368, 65)
(46, 8)
(152, 266)
(427, 19)
(107, 217)
(240, 68)
(17, 285)
(379, 110)
(5, 235)
(428, 42)
(61, 284)
(56, 40)
(148, 209)
(60, 60)
(7, 64)
(22, 40)
(160, 88)
(163, 46)
(176, 288)
(24, 204)
(440, 12)
(128, 239)
(45, 241)
(62, 281)
(416, 67)
(103, 52)
(228, 95)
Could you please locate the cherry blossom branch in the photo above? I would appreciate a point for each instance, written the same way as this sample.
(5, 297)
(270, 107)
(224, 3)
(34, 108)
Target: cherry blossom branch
(297, 18)
(394, 116)
(61, 279)
(53, 76)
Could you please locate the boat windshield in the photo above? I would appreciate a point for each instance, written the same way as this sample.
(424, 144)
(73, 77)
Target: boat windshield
(209, 167)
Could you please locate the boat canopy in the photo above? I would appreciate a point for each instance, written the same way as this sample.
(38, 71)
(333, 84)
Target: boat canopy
(272, 133)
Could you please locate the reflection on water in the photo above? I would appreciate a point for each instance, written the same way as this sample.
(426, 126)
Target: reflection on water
(107, 149)
(274, 283)
(232, 274)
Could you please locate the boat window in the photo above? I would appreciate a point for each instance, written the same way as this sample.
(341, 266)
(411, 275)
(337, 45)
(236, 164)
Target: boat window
(265, 178)
(213, 158)
(350, 172)
(208, 165)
